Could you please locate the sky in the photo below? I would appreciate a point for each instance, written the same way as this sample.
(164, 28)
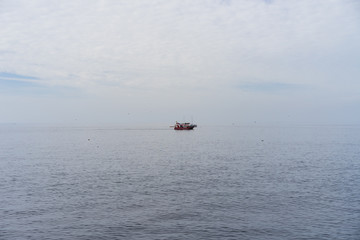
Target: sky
(154, 62)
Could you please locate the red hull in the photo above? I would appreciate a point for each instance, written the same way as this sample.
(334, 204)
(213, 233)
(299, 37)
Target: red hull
(187, 128)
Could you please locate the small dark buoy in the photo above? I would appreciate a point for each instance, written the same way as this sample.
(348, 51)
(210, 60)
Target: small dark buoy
(88, 139)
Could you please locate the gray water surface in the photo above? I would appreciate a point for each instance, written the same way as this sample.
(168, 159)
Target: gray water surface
(247, 182)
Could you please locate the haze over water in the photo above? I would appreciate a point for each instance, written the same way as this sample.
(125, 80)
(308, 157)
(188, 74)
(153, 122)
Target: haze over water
(239, 182)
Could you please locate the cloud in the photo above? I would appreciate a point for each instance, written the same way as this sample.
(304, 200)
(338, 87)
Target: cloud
(12, 81)
(144, 42)
(168, 50)
(21, 85)
(7, 75)
(269, 87)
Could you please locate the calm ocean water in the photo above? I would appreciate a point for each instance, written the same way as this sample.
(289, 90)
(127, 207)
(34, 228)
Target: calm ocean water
(245, 182)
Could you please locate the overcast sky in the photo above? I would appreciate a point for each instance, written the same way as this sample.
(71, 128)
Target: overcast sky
(158, 61)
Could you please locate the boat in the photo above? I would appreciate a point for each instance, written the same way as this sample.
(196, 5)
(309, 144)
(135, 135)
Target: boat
(184, 126)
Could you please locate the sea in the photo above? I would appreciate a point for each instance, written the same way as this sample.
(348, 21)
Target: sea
(215, 182)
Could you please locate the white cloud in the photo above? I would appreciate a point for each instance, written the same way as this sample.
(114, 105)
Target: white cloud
(134, 48)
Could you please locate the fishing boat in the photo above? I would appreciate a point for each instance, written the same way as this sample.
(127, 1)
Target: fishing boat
(184, 126)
